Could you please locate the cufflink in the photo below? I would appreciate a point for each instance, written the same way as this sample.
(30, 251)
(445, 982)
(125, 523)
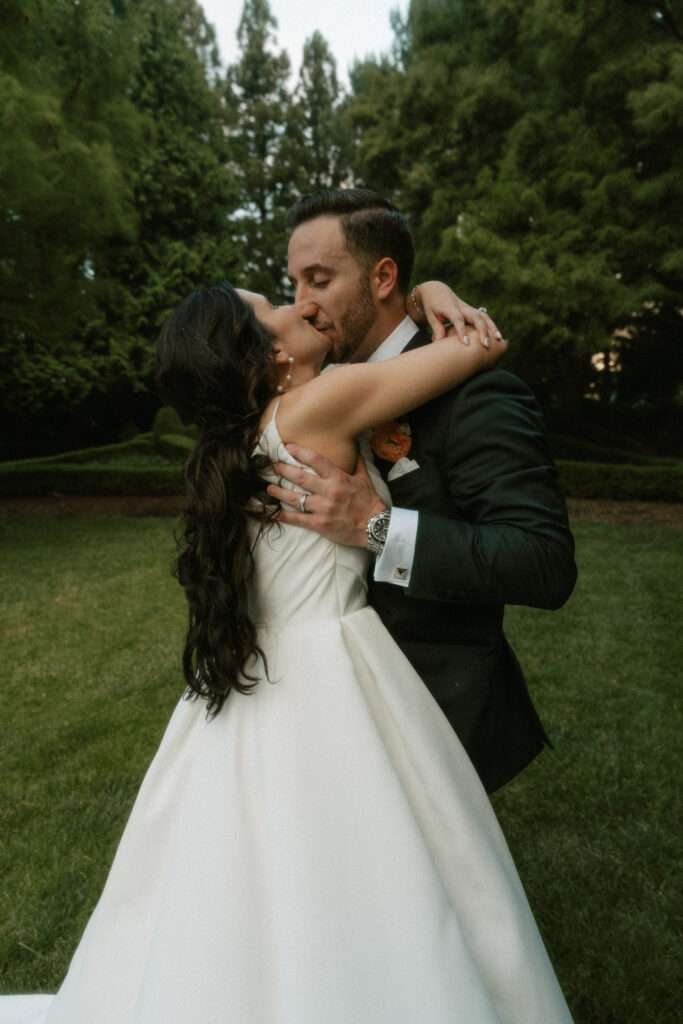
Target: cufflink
(400, 573)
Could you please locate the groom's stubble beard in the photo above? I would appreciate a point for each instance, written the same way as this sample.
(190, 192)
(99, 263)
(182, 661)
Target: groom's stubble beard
(354, 323)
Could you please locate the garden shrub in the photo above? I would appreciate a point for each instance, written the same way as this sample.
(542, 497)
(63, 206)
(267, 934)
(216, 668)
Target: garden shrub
(175, 446)
(39, 481)
(139, 467)
(102, 453)
(574, 449)
(167, 422)
(635, 483)
(128, 468)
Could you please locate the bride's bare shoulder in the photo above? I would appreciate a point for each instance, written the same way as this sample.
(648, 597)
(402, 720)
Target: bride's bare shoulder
(298, 424)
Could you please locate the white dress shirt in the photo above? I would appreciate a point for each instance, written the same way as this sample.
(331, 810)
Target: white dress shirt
(395, 563)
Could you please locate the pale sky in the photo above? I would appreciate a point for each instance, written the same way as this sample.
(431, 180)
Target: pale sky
(352, 28)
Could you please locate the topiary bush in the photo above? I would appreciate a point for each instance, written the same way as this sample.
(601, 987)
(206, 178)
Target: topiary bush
(167, 423)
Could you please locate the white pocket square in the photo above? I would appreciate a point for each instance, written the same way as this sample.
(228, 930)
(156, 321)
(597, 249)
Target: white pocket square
(402, 467)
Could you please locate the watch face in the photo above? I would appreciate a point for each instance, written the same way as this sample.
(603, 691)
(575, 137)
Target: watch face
(380, 528)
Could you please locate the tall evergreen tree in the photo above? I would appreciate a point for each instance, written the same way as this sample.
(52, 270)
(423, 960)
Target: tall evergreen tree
(117, 194)
(322, 144)
(259, 110)
(183, 190)
(65, 120)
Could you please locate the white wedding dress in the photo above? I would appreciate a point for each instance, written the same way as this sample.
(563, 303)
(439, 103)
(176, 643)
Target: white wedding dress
(320, 851)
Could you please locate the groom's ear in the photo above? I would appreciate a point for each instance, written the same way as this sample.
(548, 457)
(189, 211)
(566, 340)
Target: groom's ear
(384, 278)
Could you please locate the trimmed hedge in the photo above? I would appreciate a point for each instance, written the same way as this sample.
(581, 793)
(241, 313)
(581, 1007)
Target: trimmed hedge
(578, 480)
(573, 449)
(39, 481)
(621, 483)
(103, 470)
(174, 446)
(139, 444)
(89, 472)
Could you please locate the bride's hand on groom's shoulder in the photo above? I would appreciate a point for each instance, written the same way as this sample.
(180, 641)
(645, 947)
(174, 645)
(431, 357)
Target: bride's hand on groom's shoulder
(435, 304)
(338, 504)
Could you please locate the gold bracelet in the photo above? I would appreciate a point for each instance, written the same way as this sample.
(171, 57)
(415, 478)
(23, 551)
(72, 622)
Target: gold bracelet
(418, 309)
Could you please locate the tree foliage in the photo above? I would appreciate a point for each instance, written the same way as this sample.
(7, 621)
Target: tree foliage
(259, 107)
(283, 142)
(323, 138)
(115, 194)
(533, 144)
(183, 192)
(63, 189)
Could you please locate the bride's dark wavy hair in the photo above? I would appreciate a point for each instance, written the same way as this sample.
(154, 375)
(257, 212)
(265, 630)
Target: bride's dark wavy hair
(215, 365)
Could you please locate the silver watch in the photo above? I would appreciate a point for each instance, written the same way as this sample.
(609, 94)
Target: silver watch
(377, 529)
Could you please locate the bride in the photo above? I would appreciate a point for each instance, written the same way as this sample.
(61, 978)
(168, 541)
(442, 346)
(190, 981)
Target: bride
(311, 842)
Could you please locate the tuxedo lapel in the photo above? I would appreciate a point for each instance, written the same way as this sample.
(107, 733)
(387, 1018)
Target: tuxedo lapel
(385, 466)
(419, 339)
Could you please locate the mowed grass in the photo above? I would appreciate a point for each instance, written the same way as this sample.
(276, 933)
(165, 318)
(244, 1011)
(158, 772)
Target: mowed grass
(595, 825)
(92, 626)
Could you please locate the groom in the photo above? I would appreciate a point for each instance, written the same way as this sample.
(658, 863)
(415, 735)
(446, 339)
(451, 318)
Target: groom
(477, 519)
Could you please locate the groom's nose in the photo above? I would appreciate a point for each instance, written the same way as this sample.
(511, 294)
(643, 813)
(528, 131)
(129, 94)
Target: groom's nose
(306, 308)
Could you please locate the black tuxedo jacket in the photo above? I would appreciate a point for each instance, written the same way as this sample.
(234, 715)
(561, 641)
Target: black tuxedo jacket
(493, 530)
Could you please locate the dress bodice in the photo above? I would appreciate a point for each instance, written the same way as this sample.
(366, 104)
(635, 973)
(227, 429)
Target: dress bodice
(299, 575)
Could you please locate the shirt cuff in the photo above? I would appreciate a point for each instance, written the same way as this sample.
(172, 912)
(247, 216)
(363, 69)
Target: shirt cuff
(395, 564)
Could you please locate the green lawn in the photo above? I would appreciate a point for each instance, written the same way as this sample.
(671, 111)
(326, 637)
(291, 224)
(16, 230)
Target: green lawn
(92, 626)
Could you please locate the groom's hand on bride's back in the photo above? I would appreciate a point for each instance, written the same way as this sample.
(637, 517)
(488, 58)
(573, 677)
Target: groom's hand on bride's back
(338, 505)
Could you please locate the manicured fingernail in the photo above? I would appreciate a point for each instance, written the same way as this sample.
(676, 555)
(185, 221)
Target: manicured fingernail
(466, 340)
(487, 343)
(499, 336)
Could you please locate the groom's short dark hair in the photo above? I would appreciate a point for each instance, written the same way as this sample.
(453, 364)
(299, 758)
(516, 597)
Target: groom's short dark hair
(372, 226)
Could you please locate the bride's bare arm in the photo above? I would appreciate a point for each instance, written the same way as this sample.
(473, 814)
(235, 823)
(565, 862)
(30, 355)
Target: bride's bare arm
(342, 498)
(354, 397)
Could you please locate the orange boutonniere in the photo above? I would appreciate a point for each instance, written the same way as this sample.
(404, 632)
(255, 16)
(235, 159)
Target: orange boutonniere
(391, 441)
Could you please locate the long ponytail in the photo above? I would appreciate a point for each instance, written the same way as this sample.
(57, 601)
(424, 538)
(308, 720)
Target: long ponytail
(215, 366)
